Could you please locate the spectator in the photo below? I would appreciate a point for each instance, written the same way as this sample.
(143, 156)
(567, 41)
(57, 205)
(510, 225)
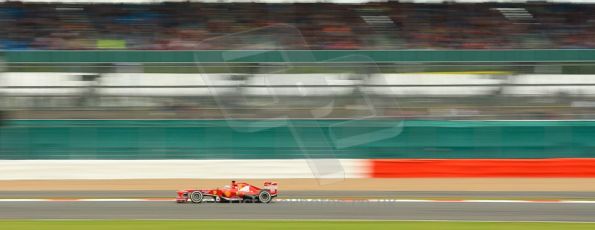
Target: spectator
(390, 25)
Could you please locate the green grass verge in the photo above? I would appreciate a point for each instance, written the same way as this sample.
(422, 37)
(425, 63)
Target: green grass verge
(275, 225)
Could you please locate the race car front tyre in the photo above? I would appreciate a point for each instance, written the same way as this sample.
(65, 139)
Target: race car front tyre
(196, 197)
(265, 196)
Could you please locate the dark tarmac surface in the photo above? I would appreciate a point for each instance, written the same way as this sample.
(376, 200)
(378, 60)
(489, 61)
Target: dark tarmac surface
(300, 210)
(311, 194)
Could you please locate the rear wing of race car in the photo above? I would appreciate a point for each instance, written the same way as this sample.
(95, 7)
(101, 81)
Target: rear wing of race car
(271, 186)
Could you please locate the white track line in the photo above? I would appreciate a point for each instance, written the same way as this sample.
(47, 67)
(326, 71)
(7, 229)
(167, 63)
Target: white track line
(297, 200)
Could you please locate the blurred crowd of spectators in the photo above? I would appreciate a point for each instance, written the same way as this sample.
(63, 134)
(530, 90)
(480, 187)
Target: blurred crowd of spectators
(175, 26)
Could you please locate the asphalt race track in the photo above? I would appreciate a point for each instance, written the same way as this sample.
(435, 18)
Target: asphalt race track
(315, 194)
(299, 210)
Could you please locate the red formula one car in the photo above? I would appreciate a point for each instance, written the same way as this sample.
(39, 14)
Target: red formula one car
(240, 192)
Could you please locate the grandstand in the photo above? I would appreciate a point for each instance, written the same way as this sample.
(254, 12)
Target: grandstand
(327, 26)
(197, 59)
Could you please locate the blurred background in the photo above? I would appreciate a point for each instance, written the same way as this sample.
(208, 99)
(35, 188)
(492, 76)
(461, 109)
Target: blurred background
(363, 80)
(352, 106)
(454, 60)
(184, 25)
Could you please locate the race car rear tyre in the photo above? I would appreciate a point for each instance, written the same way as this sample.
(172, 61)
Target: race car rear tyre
(196, 197)
(265, 196)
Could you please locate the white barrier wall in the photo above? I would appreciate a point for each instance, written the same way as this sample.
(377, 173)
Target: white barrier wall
(42, 79)
(299, 80)
(164, 79)
(418, 84)
(576, 90)
(182, 169)
(431, 80)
